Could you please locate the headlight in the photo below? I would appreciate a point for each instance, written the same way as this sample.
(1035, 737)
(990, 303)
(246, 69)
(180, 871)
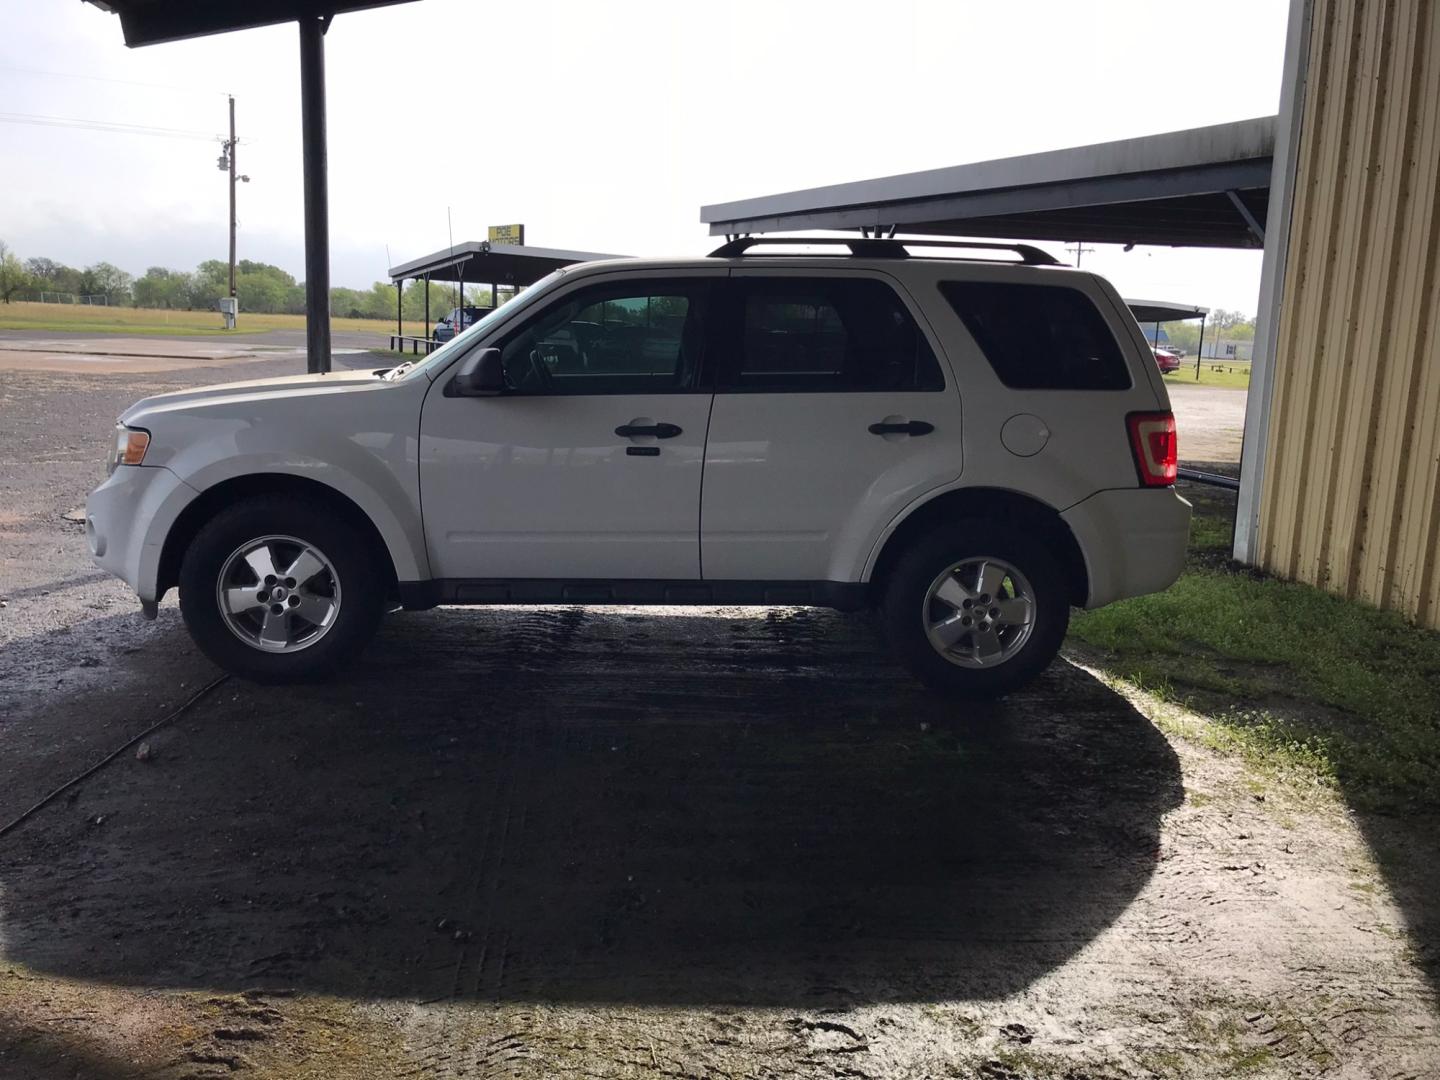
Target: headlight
(130, 446)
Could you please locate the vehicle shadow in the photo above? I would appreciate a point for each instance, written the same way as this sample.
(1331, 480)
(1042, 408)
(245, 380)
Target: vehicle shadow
(61, 1055)
(607, 805)
(1406, 846)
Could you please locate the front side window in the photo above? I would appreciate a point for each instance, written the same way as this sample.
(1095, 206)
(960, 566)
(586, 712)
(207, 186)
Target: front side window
(644, 337)
(1040, 337)
(819, 334)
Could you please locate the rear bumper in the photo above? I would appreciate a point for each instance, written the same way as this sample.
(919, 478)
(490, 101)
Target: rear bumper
(1133, 540)
(127, 519)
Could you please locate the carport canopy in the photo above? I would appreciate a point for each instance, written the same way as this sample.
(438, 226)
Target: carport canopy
(1202, 187)
(479, 262)
(1158, 311)
(150, 22)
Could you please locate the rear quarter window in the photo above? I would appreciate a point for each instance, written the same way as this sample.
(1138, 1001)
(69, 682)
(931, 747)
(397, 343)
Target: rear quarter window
(1040, 337)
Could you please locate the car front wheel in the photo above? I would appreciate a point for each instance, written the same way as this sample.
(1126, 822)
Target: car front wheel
(278, 590)
(976, 609)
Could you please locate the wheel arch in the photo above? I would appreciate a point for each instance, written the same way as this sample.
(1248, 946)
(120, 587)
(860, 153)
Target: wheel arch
(218, 496)
(993, 504)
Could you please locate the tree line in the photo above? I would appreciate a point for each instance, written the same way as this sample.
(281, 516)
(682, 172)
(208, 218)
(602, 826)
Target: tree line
(261, 287)
(1220, 323)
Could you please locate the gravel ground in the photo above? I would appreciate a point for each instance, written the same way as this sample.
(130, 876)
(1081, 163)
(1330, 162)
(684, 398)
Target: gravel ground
(636, 843)
(1210, 421)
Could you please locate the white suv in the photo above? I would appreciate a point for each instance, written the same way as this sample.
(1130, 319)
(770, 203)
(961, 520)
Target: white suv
(968, 446)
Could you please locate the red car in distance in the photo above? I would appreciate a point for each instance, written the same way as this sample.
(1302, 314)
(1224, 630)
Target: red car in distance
(1166, 360)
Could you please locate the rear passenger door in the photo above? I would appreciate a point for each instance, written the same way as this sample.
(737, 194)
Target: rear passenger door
(832, 412)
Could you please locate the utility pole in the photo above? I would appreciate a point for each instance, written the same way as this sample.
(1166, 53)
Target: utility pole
(230, 148)
(227, 164)
(1079, 248)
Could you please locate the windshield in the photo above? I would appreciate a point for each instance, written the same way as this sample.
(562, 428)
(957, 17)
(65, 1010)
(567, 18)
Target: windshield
(462, 341)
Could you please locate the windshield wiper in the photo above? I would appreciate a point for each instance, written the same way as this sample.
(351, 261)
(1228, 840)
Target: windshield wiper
(395, 372)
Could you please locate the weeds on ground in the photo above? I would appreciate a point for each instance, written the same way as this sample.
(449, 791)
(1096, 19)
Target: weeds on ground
(1229, 375)
(1285, 674)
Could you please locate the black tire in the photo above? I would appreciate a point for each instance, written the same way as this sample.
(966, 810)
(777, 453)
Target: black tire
(903, 606)
(360, 576)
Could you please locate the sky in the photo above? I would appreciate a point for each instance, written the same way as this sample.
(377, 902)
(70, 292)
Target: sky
(602, 125)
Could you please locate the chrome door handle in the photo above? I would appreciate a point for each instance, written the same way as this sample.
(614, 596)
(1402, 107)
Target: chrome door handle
(910, 427)
(660, 431)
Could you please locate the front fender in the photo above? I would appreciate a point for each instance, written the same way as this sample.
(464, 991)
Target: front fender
(359, 438)
(376, 492)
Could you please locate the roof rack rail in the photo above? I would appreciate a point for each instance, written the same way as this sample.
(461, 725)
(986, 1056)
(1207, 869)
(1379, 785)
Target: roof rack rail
(871, 247)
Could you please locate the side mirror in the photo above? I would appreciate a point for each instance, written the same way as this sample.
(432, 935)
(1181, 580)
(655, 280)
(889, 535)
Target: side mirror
(481, 375)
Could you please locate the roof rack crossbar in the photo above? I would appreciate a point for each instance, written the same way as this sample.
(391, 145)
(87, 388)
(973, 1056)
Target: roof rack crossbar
(872, 247)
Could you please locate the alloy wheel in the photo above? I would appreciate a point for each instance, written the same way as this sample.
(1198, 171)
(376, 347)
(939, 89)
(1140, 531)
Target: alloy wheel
(979, 613)
(278, 594)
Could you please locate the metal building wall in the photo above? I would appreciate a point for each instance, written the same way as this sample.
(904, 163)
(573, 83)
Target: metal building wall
(1351, 492)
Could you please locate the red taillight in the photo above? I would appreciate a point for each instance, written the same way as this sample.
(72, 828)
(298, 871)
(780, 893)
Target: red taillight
(1152, 440)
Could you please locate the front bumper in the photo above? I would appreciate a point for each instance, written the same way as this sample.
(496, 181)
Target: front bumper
(1133, 540)
(127, 519)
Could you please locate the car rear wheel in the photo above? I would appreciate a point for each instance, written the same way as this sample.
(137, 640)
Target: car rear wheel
(278, 590)
(976, 609)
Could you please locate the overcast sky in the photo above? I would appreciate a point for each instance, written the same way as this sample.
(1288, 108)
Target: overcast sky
(603, 125)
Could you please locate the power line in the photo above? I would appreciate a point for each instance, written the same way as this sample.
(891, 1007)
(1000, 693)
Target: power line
(107, 79)
(115, 127)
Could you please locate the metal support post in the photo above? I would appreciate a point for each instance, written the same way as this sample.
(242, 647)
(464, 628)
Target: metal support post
(1200, 348)
(317, 208)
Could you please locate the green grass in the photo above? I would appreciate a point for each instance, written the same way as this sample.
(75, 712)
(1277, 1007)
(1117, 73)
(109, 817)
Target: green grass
(1230, 375)
(1284, 674)
(62, 318)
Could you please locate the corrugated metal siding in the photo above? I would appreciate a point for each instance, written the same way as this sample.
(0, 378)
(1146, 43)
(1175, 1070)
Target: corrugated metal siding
(1352, 482)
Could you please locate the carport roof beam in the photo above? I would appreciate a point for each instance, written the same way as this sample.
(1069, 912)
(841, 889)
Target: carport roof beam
(1203, 187)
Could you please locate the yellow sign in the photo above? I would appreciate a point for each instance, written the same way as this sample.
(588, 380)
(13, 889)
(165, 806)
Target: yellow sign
(507, 234)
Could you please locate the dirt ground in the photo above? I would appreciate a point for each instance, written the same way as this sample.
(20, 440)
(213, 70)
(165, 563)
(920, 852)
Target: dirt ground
(36, 351)
(640, 843)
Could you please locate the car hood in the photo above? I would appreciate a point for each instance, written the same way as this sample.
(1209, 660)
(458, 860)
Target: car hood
(285, 386)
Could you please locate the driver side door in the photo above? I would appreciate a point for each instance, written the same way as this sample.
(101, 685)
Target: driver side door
(588, 466)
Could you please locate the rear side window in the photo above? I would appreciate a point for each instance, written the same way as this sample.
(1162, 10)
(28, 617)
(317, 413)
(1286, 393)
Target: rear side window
(823, 334)
(1040, 337)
